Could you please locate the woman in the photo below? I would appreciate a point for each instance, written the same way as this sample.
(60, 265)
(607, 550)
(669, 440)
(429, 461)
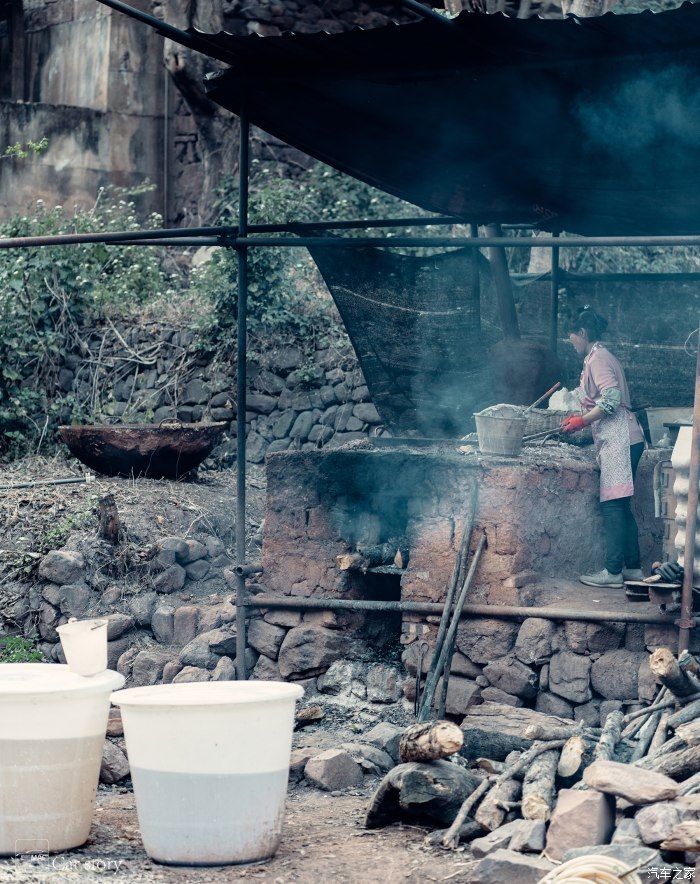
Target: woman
(619, 443)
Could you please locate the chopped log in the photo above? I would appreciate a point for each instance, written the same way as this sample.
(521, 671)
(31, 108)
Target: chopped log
(381, 554)
(659, 737)
(109, 523)
(684, 715)
(665, 668)
(571, 758)
(689, 733)
(489, 766)
(401, 557)
(429, 740)
(685, 836)
(420, 792)
(493, 809)
(610, 737)
(646, 735)
(678, 765)
(351, 562)
(538, 786)
(691, 785)
(494, 729)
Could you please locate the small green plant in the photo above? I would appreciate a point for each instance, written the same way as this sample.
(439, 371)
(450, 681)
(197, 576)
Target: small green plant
(21, 151)
(17, 649)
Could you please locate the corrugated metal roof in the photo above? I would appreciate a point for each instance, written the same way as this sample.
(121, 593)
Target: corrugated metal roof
(588, 125)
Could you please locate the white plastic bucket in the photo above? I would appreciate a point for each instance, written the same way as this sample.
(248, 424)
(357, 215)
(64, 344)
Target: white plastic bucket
(210, 763)
(52, 733)
(84, 643)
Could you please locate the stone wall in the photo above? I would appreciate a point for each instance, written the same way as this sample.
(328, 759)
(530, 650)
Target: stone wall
(153, 371)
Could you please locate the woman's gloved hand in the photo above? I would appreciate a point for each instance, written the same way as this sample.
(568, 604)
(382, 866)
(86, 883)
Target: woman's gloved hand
(671, 572)
(572, 424)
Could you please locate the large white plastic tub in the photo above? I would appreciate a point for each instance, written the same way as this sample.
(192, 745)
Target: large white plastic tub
(209, 763)
(52, 732)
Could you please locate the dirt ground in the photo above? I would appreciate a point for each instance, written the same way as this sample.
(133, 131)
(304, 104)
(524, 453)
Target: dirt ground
(323, 841)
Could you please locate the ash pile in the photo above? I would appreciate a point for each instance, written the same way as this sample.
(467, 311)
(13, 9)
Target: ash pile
(534, 797)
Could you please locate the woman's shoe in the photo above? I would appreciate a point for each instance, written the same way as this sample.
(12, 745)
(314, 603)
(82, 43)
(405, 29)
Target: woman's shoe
(632, 574)
(602, 578)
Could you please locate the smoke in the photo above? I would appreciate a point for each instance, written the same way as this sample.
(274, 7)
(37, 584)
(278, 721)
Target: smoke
(652, 116)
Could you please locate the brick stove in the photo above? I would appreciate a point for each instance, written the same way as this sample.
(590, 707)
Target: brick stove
(540, 513)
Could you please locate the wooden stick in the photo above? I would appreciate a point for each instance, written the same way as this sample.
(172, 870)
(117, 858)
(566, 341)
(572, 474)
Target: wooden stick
(659, 737)
(646, 734)
(433, 673)
(609, 738)
(543, 397)
(451, 837)
(678, 765)
(431, 682)
(684, 715)
(510, 772)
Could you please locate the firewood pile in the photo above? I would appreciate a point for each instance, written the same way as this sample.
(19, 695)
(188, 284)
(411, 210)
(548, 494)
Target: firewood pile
(528, 793)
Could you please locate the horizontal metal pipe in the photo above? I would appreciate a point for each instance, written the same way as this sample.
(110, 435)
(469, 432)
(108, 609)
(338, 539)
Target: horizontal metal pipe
(247, 570)
(565, 277)
(500, 612)
(116, 236)
(438, 242)
(225, 236)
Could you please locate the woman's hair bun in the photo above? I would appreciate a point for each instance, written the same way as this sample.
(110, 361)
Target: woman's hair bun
(593, 323)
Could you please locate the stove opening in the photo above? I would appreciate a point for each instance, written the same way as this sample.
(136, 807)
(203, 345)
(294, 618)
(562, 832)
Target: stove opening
(382, 629)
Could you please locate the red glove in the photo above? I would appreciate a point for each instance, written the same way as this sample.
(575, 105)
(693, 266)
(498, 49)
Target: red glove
(572, 424)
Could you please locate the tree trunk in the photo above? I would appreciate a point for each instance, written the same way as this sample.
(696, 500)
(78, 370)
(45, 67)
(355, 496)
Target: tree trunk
(503, 286)
(429, 740)
(538, 786)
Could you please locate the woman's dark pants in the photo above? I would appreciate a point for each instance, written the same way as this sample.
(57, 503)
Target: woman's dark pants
(621, 532)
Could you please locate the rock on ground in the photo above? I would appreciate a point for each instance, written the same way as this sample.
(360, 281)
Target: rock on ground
(524, 836)
(634, 784)
(509, 867)
(657, 821)
(309, 650)
(114, 766)
(333, 770)
(62, 566)
(385, 736)
(579, 818)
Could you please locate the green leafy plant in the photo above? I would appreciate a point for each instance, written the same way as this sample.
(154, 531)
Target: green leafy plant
(21, 151)
(16, 649)
(47, 294)
(287, 300)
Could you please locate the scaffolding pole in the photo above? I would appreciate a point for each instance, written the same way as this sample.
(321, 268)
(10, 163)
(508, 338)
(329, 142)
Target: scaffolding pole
(241, 382)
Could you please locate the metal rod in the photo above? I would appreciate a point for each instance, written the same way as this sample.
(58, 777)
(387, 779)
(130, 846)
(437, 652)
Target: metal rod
(226, 236)
(166, 144)
(554, 302)
(476, 278)
(686, 619)
(169, 31)
(426, 12)
(248, 570)
(71, 239)
(74, 480)
(500, 612)
(436, 242)
(241, 359)
(566, 277)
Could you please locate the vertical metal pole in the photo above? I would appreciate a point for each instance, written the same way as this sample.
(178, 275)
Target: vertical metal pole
(554, 301)
(241, 394)
(476, 279)
(691, 517)
(166, 146)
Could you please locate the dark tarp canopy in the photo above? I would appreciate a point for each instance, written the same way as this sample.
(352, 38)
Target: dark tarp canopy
(591, 126)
